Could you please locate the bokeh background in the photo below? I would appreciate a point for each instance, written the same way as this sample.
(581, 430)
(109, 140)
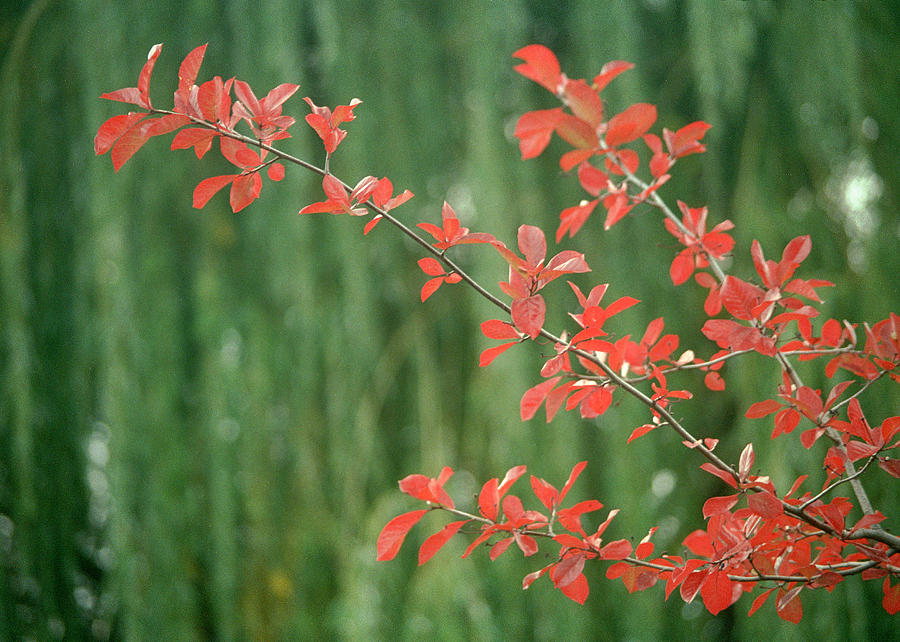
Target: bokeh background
(203, 415)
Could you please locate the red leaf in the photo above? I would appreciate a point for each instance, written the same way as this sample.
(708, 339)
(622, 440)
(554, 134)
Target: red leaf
(759, 601)
(891, 601)
(430, 287)
(526, 544)
(147, 71)
(496, 329)
(488, 355)
(510, 478)
(640, 431)
(762, 408)
(434, 543)
(714, 381)
(187, 71)
(682, 266)
(489, 499)
(724, 475)
(199, 138)
(534, 397)
(545, 492)
(534, 130)
(570, 517)
(244, 190)
(785, 421)
(528, 314)
(616, 550)
(207, 188)
(718, 505)
(609, 71)
(719, 592)
(584, 102)
(576, 471)
(431, 266)
(541, 66)
(700, 544)
(765, 504)
(275, 172)
(532, 244)
(567, 570)
(127, 144)
(740, 298)
(746, 461)
(630, 124)
(392, 535)
(788, 605)
(578, 590)
(686, 140)
(112, 129)
(500, 547)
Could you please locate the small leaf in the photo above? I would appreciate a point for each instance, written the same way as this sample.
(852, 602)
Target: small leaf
(434, 543)
(392, 535)
(208, 187)
(528, 314)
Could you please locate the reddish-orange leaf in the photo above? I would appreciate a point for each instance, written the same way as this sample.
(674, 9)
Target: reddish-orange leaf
(578, 590)
(700, 544)
(431, 266)
(497, 329)
(891, 601)
(129, 142)
(199, 138)
(392, 535)
(567, 570)
(609, 71)
(534, 130)
(615, 550)
(584, 102)
(147, 71)
(434, 543)
(431, 286)
(788, 605)
(718, 505)
(785, 421)
(762, 408)
(526, 544)
(765, 504)
(724, 475)
(207, 188)
(500, 547)
(112, 129)
(534, 397)
(541, 66)
(190, 66)
(528, 314)
(489, 499)
(545, 492)
(244, 190)
(640, 431)
(275, 172)
(630, 124)
(576, 471)
(510, 478)
(714, 381)
(745, 463)
(682, 266)
(719, 592)
(488, 355)
(759, 601)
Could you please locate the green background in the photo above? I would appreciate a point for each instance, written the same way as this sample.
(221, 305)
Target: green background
(203, 415)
